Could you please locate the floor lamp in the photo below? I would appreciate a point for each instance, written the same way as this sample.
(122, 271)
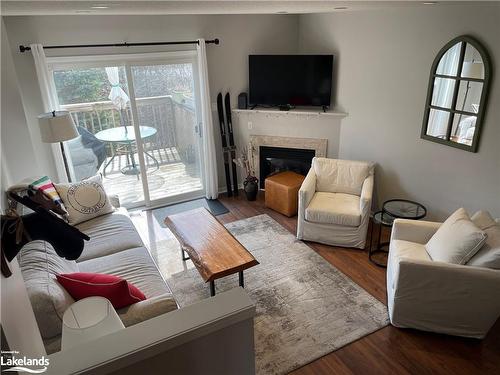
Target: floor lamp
(57, 127)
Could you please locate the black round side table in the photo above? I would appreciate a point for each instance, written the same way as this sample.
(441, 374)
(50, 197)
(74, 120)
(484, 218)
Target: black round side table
(391, 210)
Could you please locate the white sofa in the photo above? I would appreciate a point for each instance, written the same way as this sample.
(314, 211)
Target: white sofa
(461, 300)
(115, 248)
(335, 202)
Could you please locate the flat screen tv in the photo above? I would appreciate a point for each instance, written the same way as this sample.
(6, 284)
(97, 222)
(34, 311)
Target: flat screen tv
(290, 80)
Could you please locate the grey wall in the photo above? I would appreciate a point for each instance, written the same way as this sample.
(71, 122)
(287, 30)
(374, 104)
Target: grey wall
(384, 59)
(240, 35)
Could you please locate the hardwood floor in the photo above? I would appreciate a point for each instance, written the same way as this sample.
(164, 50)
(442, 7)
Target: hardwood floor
(389, 350)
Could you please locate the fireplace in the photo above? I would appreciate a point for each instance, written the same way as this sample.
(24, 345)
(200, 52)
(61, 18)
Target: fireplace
(273, 160)
(283, 148)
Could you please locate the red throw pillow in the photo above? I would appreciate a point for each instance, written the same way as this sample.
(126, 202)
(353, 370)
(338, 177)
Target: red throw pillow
(117, 290)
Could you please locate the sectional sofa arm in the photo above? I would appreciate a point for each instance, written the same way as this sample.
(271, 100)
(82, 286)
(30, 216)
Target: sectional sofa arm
(307, 190)
(418, 231)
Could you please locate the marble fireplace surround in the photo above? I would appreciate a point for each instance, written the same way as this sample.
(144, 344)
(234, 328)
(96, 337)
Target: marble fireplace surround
(317, 144)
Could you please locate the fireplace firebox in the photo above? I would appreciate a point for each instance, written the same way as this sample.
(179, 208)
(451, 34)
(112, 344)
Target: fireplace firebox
(273, 160)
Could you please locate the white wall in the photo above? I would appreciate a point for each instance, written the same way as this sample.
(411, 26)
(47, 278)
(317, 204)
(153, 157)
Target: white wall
(240, 36)
(18, 154)
(384, 59)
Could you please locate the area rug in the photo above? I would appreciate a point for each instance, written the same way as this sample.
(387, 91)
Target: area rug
(306, 308)
(213, 205)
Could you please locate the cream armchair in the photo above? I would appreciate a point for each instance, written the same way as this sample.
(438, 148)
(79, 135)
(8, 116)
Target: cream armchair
(434, 296)
(335, 202)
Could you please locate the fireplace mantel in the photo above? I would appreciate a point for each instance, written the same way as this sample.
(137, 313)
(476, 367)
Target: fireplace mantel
(307, 112)
(317, 144)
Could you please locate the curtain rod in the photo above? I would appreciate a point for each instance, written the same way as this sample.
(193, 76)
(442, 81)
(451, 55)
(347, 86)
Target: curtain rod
(215, 41)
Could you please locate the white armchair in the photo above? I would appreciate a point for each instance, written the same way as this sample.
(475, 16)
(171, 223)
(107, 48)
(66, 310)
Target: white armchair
(434, 296)
(335, 202)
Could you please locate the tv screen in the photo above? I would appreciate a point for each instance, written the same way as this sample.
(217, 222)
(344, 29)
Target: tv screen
(297, 80)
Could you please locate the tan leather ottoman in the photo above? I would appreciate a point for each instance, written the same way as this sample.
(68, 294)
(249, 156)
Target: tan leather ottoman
(282, 192)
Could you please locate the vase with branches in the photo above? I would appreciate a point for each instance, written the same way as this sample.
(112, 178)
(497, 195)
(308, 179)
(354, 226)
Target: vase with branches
(245, 161)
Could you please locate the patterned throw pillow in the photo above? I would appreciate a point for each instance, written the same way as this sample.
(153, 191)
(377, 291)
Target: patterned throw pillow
(84, 200)
(47, 187)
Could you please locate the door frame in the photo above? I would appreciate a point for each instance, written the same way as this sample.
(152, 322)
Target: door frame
(141, 59)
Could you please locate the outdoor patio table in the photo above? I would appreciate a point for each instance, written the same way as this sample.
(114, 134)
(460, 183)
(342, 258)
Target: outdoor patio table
(125, 135)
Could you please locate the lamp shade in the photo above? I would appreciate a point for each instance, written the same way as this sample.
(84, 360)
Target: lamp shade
(89, 319)
(57, 126)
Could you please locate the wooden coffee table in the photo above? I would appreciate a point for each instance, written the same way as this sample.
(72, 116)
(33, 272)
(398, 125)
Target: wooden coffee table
(213, 250)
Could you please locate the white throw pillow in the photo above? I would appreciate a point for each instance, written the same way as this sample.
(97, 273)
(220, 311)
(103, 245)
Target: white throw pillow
(456, 240)
(84, 200)
(489, 254)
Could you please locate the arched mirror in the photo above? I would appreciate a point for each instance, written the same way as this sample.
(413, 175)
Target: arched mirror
(456, 99)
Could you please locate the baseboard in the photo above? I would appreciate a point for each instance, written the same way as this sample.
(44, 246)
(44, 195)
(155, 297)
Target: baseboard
(223, 189)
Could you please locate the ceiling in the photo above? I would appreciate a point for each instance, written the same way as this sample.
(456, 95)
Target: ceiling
(98, 7)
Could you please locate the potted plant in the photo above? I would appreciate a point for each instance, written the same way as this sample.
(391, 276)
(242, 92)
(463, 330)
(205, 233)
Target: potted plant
(251, 183)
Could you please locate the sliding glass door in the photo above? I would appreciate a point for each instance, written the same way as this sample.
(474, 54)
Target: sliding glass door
(138, 124)
(166, 113)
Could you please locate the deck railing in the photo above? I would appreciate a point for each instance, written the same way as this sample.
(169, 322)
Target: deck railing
(175, 122)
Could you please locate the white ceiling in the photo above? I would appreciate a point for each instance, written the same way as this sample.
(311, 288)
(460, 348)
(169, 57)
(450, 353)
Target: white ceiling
(58, 7)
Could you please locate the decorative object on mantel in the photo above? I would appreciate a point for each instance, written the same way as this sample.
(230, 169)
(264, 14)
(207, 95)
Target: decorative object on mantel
(38, 225)
(251, 183)
(243, 101)
(457, 94)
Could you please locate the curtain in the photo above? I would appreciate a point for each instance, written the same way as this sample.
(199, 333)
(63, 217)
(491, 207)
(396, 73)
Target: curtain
(50, 102)
(47, 87)
(210, 161)
(116, 95)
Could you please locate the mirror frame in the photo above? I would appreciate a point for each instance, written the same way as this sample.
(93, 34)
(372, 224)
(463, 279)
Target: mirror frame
(465, 39)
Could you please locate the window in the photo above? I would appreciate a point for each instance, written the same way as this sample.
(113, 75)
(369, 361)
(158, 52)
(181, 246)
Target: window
(138, 123)
(456, 99)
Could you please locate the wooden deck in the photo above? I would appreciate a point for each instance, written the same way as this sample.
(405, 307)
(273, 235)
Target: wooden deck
(171, 177)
